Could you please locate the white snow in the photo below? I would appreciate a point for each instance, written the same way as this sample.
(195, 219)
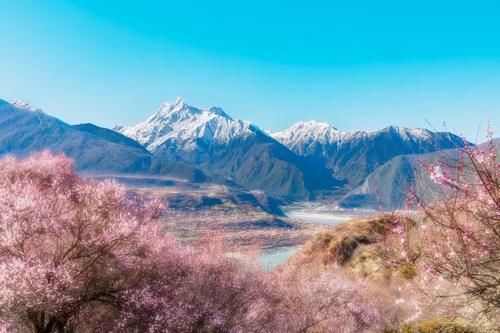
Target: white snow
(183, 126)
(303, 134)
(410, 133)
(24, 105)
(308, 132)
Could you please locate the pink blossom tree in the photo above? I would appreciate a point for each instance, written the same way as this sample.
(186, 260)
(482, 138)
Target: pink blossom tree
(459, 238)
(321, 298)
(66, 244)
(79, 255)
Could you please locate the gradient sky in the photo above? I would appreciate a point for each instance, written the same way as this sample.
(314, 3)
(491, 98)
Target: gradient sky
(355, 64)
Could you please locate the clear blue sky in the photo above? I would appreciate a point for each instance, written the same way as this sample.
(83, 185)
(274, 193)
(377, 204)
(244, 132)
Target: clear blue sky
(355, 64)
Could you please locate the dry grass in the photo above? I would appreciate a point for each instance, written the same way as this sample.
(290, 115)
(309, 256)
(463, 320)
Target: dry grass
(358, 247)
(438, 326)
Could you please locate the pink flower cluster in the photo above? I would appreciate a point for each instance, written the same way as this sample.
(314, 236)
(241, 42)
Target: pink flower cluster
(459, 238)
(85, 256)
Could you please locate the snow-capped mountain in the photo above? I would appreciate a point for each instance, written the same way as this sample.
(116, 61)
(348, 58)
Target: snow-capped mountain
(18, 103)
(184, 127)
(25, 129)
(303, 134)
(354, 155)
(234, 149)
(198, 144)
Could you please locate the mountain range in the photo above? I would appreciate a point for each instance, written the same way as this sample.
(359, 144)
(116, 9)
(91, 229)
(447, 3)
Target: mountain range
(388, 186)
(25, 129)
(237, 150)
(306, 161)
(352, 156)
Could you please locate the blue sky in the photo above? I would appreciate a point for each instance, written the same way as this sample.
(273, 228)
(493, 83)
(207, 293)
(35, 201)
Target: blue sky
(355, 64)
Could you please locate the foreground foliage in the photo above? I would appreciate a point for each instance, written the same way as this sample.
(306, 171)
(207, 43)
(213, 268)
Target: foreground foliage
(458, 239)
(78, 255)
(441, 257)
(84, 256)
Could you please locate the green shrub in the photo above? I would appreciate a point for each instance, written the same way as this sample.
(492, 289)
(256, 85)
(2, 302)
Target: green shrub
(407, 271)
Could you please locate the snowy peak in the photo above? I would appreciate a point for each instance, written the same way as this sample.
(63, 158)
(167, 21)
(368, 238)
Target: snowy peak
(407, 132)
(184, 126)
(180, 110)
(313, 132)
(20, 104)
(177, 110)
(307, 132)
(354, 155)
(177, 106)
(219, 111)
(312, 126)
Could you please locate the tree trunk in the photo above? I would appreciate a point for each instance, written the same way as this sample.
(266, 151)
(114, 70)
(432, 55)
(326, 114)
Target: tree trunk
(42, 324)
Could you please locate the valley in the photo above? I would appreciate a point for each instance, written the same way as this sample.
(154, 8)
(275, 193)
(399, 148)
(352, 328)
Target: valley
(193, 201)
(245, 221)
(265, 192)
(249, 167)
(249, 224)
(310, 161)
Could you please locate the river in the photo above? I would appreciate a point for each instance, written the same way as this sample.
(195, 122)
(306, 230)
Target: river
(309, 213)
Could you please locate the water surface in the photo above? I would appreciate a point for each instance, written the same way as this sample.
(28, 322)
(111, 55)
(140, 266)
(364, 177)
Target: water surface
(271, 259)
(322, 214)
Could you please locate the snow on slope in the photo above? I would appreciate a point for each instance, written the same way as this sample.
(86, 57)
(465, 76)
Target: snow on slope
(312, 132)
(24, 105)
(185, 125)
(307, 132)
(25, 129)
(352, 156)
